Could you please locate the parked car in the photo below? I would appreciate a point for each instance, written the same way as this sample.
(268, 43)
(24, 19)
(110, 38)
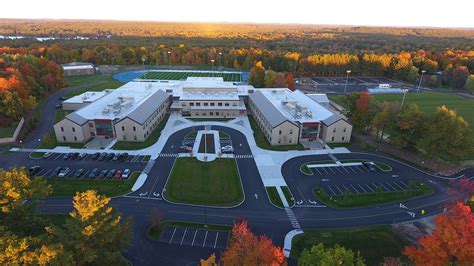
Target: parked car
(82, 156)
(227, 149)
(93, 173)
(66, 156)
(118, 174)
(59, 105)
(78, 173)
(48, 154)
(95, 156)
(369, 165)
(62, 98)
(123, 157)
(109, 156)
(126, 173)
(102, 174)
(102, 156)
(56, 171)
(34, 169)
(116, 157)
(74, 155)
(110, 174)
(64, 172)
(184, 149)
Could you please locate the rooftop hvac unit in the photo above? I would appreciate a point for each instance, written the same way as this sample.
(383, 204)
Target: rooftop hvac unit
(105, 111)
(309, 114)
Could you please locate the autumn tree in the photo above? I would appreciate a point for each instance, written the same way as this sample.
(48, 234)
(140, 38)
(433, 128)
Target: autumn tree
(447, 135)
(270, 77)
(409, 127)
(364, 111)
(337, 255)
(290, 81)
(463, 186)
(211, 261)
(460, 75)
(280, 81)
(245, 248)
(470, 83)
(385, 117)
(95, 232)
(257, 75)
(450, 242)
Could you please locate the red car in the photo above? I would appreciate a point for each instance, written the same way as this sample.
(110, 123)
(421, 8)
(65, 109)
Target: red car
(118, 174)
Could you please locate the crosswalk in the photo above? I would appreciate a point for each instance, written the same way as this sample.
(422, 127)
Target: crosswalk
(243, 156)
(168, 155)
(291, 216)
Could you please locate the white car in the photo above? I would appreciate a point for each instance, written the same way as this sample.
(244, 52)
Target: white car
(64, 172)
(125, 173)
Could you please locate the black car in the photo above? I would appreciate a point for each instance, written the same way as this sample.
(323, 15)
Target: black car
(110, 174)
(94, 173)
(95, 156)
(59, 105)
(56, 171)
(123, 157)
(34, 169)
(74, 155)
(78, 173)
(66, 156)
(369, 165)
(62, 98)
(110, 156)
(102, 174)
(102, 156)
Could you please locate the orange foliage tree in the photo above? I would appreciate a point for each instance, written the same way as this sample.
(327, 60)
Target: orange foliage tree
(248, 249)
(450, 242)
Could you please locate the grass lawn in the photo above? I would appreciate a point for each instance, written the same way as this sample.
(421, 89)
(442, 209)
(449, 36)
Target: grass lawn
(108, 83)
(374, 242)
(428, 102)
(274, 197)
(289, 197)
(6, 132)
(215, 183)
(180, 75)
(223, 135)
(50, 143)
(263, 143)
(154, 232)
(64, 187)
(372, 198)
(152, 139)
(37, 155)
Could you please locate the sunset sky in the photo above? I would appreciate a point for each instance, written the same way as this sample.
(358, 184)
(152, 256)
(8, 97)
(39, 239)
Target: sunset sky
(342, 12)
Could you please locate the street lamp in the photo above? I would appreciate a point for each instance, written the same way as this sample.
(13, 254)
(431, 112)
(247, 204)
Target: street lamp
(143, 62)
(220, 60)
(347, 77)
(404, 95)
(421, 79)
(169, 59)
(212, 61)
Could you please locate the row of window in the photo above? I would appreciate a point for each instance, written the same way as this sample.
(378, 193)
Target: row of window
(64, 138)
(342, 139)
(73, 129)
(232, 114)
(209, 104)
(334, 130)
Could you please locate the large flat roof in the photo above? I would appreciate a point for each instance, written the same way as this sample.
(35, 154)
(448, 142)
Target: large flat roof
(87, 97)
(295, 105)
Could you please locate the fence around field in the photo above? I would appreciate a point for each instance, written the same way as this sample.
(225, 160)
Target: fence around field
(15, 134)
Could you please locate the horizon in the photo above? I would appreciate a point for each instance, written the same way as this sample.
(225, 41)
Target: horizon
(364, 13)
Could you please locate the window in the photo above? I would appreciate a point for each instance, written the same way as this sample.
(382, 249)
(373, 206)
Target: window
(291, 131)
(124, 137)
(219, 104)
(206, 104)
(289, 141)
(226, 104)
(279, 132)
(134, 129)
(332, 139)
(343, 138)
(217, 113)
(234, 104)
(211, 113)
(344, 130)
(191, 104)
(144, 136)
(212, 104)
(75, 138)
(91, 125)
(183, 104)
(334, 130)
(198, 104)
(279, 141)
(62, 129)
(123, 128)
(135, 137)
(64, 138)
(73, 129)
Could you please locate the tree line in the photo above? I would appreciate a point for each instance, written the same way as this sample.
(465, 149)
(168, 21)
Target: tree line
(441, 135)
(25, 79)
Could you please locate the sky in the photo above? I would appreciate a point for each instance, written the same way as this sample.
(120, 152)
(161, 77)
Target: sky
(431, 13)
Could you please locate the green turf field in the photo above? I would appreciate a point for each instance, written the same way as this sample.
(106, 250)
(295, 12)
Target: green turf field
(429, 101)
(181, 75)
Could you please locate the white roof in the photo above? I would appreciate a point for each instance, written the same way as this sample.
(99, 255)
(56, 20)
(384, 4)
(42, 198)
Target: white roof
(78, 67)
(295, 105)
(216, 96)
(87, 97)
(319, 97)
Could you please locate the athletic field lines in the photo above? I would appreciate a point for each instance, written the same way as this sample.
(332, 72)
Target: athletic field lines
(182, 75)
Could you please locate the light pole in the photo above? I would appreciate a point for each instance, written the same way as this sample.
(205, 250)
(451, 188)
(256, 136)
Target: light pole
(347, 77)
(169, 59)
(212, 61)
(220, 60)
(403, 100)
(143, 63)
(421, 79)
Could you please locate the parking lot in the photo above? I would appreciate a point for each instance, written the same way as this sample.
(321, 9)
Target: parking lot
(370, 187)
(334, 170)
(194, 237)
(354, 84)
(90, 157)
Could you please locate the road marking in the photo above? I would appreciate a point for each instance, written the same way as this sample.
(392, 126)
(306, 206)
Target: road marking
(215, 243)
(205, 237)
(343, 167)
(315, 168)
(354, 188)
(384, 187)
(172, 235)
(403, 183)
(185, 230)
(195, 232)
(338, 189)
(333, 193)
(350, 167)
(371, 189)
(398, 185)
(388, 183)
(330, 168)
(346, 189)
(324, 170)
(362, 188)
(362, 171)
(337, 168)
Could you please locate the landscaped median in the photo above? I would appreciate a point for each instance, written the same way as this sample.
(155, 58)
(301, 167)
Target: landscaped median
(306, 170)
(36, 155)
(415, 189)
(154, 231)
(67, 187)
(215, 183)
(275, 198)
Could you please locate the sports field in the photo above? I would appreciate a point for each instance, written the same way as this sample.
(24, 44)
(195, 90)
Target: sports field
(429, 101)
(181, 75)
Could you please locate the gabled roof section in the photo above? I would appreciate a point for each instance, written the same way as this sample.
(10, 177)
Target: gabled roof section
(141, 114)
(271, 113)
(332, 119)
(74, 117)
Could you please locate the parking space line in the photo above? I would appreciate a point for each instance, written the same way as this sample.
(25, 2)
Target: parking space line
(324, 170)
(354, 188)
(388, 183)
(361, 170)
(172, 235)
(333, 193)
(371, 189)
(185, 230)
(215, 242)
(330, 168)
(347, 189)
(339, 189)
(194, 238)
(399, 186)
(337, 168)
(350, 167)
(205, 237)
(362, 188)
(403, 183)
(384, 187)
(343, 167)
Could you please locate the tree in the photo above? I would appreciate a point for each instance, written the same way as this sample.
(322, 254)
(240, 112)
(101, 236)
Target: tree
(318, 255)
(247, 249)
(409, 128)
(211, 261)
(96, 232)
(463, 186)
(385, 118)
(280, 81)
(155, 217)
(447, 135)
(257, 75)
(270, 77)
(450, 242)
(460, 75)
(364, 111)
(19, 196)
(470, 83)
(290, 81)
